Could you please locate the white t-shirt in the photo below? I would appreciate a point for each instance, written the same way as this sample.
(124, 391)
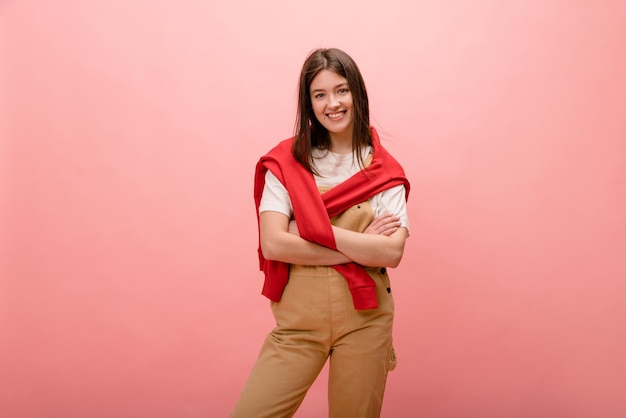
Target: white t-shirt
(335, 169)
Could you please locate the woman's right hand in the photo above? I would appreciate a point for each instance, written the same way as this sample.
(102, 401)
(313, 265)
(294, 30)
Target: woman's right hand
(385, 224)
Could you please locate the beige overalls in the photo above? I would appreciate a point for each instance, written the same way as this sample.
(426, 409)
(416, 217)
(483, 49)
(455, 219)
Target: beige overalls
(315, 321)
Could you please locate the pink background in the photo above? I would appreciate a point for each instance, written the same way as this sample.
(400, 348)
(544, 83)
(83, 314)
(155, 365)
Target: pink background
(129, 133)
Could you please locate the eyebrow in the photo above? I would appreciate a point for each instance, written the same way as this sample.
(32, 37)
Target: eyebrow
(337, 86)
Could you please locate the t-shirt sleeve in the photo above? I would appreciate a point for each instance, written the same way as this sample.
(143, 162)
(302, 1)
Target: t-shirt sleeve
(275, 196)
(392, 200)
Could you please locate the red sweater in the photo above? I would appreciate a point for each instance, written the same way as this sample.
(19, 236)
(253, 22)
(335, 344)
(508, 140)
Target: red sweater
(316, 209)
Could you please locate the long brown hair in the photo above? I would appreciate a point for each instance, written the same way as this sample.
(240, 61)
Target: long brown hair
(309, 132)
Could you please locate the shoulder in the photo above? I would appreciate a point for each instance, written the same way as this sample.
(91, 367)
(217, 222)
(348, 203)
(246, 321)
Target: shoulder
(278, 160)
(381, 154)
(281, 150)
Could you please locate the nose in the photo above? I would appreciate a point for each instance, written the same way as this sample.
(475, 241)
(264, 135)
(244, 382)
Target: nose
(334, 102)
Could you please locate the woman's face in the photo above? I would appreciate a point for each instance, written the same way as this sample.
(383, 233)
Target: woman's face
(332, 104)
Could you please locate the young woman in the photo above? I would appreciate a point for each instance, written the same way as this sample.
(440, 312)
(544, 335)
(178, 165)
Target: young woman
(332, 216)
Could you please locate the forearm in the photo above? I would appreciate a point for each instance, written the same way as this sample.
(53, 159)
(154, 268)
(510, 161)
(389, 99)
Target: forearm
(290, 248)
(277, 243)
(369, 249)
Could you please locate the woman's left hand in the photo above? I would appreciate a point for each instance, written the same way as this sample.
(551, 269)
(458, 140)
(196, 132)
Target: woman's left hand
(385, 224)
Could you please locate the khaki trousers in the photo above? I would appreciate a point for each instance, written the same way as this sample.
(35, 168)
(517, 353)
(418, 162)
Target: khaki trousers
(316, 321)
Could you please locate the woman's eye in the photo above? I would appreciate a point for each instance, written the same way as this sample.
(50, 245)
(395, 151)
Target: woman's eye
(343, 91)
(319, 95)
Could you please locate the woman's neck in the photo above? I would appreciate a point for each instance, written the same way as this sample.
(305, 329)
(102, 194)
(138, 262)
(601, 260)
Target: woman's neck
(341, 144)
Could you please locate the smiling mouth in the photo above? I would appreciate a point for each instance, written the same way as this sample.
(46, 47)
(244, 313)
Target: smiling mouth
(336, 115)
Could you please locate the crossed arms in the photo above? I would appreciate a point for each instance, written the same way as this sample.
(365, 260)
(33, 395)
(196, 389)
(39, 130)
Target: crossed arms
(380, 245)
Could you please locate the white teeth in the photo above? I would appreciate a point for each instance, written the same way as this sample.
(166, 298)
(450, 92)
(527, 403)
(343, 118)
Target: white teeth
(335, 115)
